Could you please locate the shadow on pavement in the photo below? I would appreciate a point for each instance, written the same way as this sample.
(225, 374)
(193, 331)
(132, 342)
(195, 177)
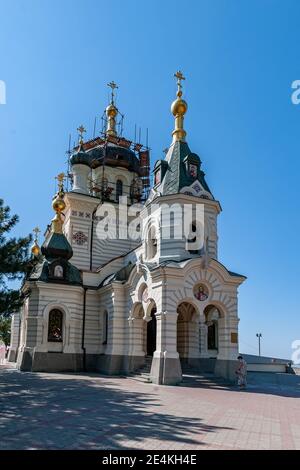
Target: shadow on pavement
(77, 411)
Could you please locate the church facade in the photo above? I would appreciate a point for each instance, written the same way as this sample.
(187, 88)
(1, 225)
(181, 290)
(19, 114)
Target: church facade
(126, 275)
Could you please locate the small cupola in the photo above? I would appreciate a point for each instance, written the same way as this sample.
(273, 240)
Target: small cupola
(57, 246)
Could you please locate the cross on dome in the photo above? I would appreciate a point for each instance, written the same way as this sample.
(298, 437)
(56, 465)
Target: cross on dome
(113, 86)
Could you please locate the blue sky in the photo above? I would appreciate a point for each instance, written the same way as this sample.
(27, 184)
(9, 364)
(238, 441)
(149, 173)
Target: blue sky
(239, 58)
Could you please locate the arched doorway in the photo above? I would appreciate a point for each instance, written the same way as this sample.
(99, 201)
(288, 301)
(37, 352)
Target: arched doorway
(151, 333)
(212, 317)
(187, 332)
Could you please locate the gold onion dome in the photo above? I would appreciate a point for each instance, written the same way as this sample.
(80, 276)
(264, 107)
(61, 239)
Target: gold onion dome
(179, 108)
(111, 110)
(35, 249)
(58, 203)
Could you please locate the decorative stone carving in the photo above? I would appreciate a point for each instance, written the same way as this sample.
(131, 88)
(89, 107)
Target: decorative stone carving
(80, 238)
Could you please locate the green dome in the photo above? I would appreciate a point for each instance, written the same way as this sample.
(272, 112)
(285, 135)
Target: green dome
(57, 246)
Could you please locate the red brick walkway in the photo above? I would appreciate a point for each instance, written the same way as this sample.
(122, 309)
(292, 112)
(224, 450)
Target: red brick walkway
(77, 411)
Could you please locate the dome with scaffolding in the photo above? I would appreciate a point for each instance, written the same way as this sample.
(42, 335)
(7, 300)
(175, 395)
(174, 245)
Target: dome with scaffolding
(114, 155)
(80, 157)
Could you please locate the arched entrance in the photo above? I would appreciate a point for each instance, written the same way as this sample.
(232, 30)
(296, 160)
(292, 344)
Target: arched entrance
(187, 332)
(151, 333)
(212, 317)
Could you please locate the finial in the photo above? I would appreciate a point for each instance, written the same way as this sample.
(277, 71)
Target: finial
(35, 249)
(111, 112)
(179, 77)
(60, 178)
(113, 86)
(179, 108)
(59, 204)
(81, 130)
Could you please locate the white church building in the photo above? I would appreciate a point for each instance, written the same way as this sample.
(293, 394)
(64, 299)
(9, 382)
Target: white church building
(129, 275)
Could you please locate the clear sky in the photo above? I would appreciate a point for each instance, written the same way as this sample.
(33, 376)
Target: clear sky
(239, 58)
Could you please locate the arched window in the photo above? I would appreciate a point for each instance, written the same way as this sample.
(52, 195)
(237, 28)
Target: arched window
(55, 326)
(105, 327)
(58, 271)
(192, 238)
(151, 248)
(212, 315)
(119, 189)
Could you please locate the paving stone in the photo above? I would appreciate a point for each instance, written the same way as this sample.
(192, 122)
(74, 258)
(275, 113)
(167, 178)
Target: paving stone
(89, 411)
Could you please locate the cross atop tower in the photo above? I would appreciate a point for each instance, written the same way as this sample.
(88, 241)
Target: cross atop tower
(60, 178)
(81, 130)
(36, 231)
(113, 86)
(179, 76)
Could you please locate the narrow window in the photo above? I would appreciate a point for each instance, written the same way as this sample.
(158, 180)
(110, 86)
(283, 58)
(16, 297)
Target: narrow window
(119, 189)
(151, 243)
(55, 326)
(212, 336)
(105, 327)
(193, 238)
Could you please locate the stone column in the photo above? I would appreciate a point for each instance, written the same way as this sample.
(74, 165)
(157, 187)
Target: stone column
(166, 368)
(228, 347)
(194, 337)
(203, 336)
(234, 338)
(136, 336)
(15, 337)
(223, 338)
(115, 349)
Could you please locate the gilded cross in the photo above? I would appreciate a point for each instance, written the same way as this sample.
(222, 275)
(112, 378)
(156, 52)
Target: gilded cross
(36, 231)
(179, 76)
(113, 86)
(60, 178)
(81, 130)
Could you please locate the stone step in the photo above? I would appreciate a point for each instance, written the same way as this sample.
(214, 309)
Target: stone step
(143, 373)
(198, 379)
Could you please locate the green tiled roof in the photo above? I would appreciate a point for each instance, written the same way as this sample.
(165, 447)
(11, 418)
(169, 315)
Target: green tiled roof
(57, 246)
(177, 176)
(42, 272)
(57, 251)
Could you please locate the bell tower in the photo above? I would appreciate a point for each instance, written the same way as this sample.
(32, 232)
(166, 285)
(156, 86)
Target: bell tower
(179, 181)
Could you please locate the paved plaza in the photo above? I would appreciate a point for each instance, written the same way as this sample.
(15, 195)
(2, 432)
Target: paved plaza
(88, 411)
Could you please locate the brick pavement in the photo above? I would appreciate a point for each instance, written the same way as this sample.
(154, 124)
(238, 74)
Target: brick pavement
(88, 411)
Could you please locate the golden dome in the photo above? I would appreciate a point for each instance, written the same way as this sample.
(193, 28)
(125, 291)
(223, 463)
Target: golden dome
(35, 249)
(111, 110)
(58, 203)
(179, 107)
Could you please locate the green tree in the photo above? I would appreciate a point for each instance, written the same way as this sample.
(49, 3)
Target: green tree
(15, 261)
(5, 324)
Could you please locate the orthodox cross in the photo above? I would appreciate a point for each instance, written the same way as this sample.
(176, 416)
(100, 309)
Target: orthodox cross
(36, 231)
(179, 76)
(60, 178)
(113, 86)
(81, 130)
